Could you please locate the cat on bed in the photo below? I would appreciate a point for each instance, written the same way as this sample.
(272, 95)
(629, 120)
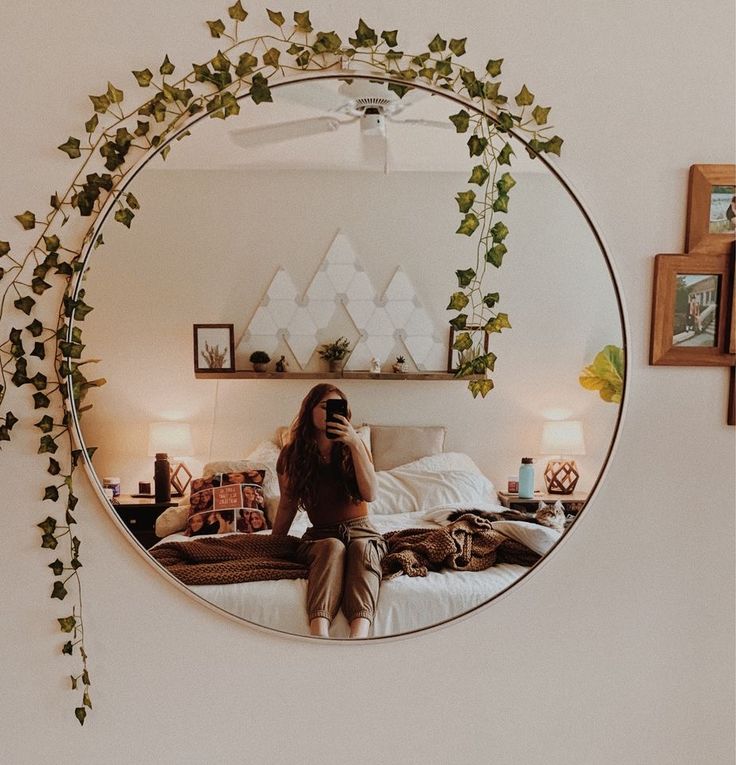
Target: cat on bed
(552, 516)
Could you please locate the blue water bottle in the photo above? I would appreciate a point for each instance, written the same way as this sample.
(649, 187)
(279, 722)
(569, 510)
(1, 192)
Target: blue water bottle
(526, 478)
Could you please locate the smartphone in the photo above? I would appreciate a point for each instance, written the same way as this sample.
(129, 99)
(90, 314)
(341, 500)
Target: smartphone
(335, 406)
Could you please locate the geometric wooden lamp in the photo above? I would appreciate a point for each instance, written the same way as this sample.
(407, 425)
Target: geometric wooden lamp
(174, 438)
(563, 439)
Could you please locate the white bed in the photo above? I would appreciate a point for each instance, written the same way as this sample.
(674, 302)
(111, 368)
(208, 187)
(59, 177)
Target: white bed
(416, 495)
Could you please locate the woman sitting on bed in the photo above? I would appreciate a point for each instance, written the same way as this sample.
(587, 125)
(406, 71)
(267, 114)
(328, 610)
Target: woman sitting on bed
(332, 479)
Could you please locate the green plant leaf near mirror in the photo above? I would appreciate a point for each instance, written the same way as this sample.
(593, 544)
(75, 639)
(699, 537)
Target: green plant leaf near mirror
(118, 140)
(606, 374)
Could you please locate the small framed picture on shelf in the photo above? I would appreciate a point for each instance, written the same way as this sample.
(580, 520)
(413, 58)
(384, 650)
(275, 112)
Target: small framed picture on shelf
(214, 348)
(456, 356)
(692, 310)
(711, 209)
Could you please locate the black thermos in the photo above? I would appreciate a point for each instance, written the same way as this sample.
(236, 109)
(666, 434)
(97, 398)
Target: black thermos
(162, 477)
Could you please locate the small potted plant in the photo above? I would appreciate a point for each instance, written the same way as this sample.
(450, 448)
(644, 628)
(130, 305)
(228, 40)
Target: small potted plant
(399, 365)
(335, 352)
(259, 359)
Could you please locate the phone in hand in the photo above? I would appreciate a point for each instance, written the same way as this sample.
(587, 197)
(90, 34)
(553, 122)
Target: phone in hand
(334, 406)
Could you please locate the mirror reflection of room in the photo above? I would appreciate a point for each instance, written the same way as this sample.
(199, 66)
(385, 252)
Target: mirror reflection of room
(299, 233)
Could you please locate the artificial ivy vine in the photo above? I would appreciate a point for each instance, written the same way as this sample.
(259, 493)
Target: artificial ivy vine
(117, 138)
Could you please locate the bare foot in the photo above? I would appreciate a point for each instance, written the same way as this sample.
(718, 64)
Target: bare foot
(359, 628)
(319, 627)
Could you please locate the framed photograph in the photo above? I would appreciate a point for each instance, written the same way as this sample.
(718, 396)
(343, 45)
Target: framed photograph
(691, 310)
(711, 209)
(214, 348)
(455, 357)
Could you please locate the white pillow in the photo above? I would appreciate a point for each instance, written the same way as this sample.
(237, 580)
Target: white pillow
(172, 519)
(541, 539)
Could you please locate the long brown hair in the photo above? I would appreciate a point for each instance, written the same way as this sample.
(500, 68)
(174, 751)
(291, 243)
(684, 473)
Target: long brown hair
(299, 460)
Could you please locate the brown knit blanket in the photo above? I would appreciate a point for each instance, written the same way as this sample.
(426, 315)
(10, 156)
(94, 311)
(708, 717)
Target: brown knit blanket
(231, 558)
(468, 544)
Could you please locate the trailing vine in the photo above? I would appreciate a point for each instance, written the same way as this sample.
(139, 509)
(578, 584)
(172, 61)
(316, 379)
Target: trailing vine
(117, 138)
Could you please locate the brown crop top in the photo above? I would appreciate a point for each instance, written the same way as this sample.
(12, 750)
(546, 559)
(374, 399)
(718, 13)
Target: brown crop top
(334, 504)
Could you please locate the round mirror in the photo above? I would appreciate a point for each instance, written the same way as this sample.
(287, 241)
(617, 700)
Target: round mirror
(331, 214)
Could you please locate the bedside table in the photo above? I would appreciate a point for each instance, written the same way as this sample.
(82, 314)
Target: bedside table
(573, 503)
(139, 515)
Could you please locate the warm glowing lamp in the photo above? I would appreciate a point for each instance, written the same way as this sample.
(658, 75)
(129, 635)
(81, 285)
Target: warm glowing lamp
(562, 439)
(175, 439)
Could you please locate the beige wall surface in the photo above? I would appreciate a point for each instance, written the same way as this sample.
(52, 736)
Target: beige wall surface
(618, 649)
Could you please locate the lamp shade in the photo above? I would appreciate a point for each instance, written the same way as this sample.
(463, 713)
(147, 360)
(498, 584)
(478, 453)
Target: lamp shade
(174, 438)
(562, 437)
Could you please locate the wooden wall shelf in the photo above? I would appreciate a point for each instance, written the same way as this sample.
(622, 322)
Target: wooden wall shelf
(249, 375)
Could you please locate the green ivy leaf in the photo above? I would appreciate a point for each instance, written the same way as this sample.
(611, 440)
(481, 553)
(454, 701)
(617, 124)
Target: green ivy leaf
(458, 301)
(57, 567)
(490, 299)
(461, 121)
(503, 321)
(463, 342)
(276, 17)
(479, 175)
(10, 420)
(4, 248)
(303, 59)
(469, 224)
(495, 254)
(259, 90)
(499, 232)
(27, 220)
(124, 216)
(444, 67)
(45, 424)
(465, 200)
(459, 322)
(90, 126)
(365, 37)
(114, 96)
(301, 19)
(237, 12)
(505, 183)
(437, 45)
(493, 67)
(131, 201)
(504, 156)
(68, 649)
(85, 700)
(271, 57)
(400, 90)
(80, 713)
(246, 64)
(47, 444)
(294, 49)
(48, 526)
(75, 564)
(49, 542)
(67, 623)
(484, 387)
(477, 145)
(4, 433)
(25, 304)
(143, 77)
(390, 38)
(100, 103)
(465, 277)
(39, 286)
(326, 42)
(458, 46)
(501, 203)
(216, 28)
(524, 97)
(540, 114)
(554, 145)
(221, 63)
(52, 493)
(505, 122)
(71, 147)
(54, 467)
(59, 591)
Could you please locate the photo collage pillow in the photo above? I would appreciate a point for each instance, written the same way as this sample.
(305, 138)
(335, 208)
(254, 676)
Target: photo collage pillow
(227, 502)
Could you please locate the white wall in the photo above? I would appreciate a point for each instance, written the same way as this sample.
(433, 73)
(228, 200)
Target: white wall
(618, 649)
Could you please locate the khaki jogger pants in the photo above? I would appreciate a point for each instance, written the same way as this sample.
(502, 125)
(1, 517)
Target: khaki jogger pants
(344, 566)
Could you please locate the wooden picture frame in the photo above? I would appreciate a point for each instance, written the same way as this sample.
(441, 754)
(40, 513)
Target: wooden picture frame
(691, 310)
(708, 191)
(452, 354)
(214, 348)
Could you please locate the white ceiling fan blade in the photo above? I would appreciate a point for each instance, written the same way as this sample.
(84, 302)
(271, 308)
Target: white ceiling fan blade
(285, 131)
(314, 94)
(373, 150)
(443, 124)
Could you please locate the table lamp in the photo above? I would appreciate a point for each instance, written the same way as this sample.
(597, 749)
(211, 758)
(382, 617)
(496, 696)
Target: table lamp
(562, 439)
(174, 438)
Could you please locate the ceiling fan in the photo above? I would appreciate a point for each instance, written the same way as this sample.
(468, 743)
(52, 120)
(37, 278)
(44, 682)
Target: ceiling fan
(367, 102)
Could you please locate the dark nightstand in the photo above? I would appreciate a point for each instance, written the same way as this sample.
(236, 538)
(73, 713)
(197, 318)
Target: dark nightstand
(573, 503)
(139, 515)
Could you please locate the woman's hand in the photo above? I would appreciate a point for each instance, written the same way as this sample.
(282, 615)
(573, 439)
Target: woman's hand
(341, 429)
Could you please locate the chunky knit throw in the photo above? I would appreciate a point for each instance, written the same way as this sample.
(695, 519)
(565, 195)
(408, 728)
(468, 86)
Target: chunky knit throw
(231, 558)
(468, 544)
